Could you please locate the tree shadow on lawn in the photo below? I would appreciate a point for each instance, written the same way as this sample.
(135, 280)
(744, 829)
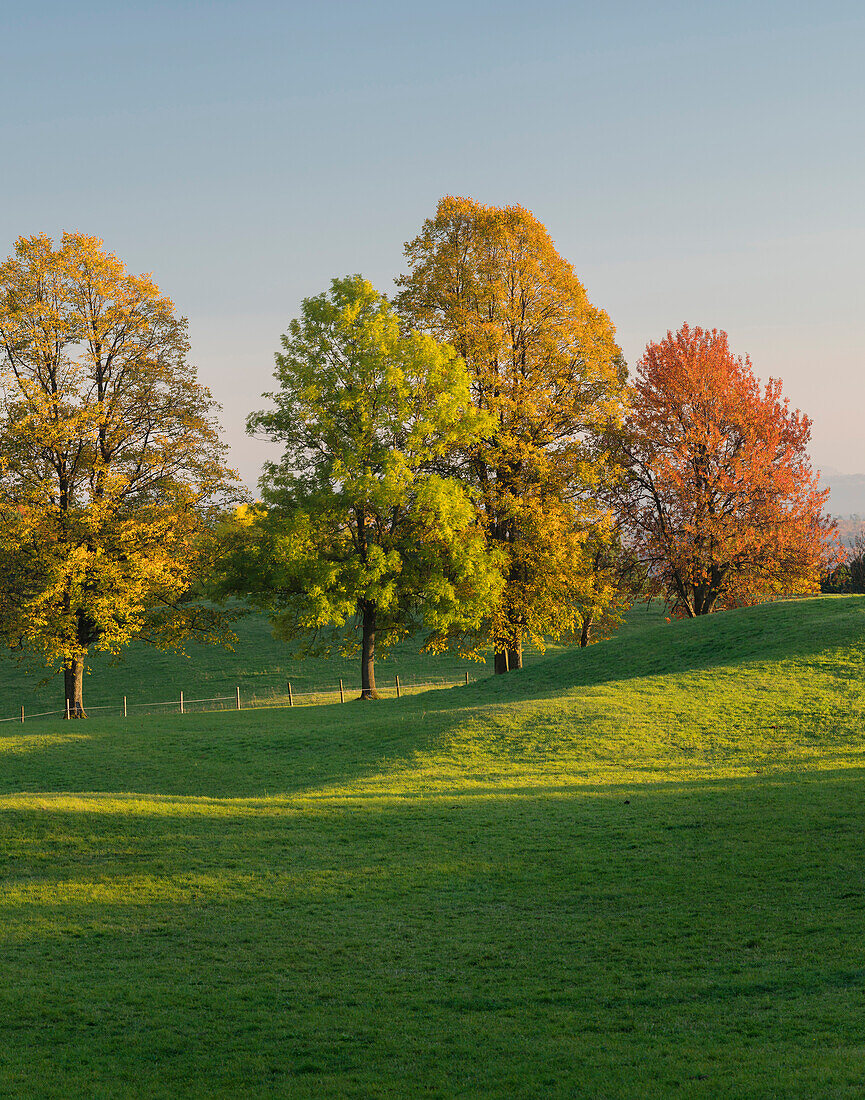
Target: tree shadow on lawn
(230, 754)
(256, 754)
(259, 752)
(687, 897)
(79, 853)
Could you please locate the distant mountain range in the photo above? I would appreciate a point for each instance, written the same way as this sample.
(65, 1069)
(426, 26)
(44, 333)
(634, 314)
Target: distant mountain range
(847, 492)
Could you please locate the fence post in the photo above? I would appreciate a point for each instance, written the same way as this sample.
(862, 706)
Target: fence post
(67, 710)
(22, 714)
(124, 706)
(290, 699)
(341, 697)
(237, 697)
(181, 703)
(397, 687)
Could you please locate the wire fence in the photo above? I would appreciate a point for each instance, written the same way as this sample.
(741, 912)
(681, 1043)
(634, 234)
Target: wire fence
(239, 701)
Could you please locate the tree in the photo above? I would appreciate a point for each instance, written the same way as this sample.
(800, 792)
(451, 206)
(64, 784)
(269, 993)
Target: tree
(111, 471)
(615, 577)
(849, 574)
(719, 499)
(544, 365)
(355, 527)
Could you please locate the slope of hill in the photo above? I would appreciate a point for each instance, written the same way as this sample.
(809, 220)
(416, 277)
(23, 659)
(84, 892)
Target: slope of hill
(258, 664)
(634, 870)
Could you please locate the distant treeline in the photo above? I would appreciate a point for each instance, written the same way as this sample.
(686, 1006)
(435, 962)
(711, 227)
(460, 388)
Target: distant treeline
(849, 576)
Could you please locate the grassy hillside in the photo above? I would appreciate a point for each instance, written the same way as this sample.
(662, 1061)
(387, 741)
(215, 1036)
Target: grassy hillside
(635, 870)
(258, 664)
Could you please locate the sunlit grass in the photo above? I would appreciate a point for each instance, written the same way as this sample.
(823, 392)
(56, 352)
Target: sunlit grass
(33, 742)
(635, 870)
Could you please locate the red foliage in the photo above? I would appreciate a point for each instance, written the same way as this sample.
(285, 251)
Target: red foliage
(719, 496)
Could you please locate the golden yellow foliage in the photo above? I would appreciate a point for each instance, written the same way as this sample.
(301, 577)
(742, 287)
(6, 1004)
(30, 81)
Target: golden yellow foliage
(111, 467)
(543, 362)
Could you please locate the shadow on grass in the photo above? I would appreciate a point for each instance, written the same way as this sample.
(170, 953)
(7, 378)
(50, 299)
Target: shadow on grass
(246, 950)
(261, 752)
(240, 929)
(229, 754)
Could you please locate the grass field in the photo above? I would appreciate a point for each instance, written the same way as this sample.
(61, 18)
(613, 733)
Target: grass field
(258, 664)
(632, 871)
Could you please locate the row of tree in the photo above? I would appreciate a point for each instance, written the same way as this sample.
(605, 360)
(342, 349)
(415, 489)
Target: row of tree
(467, 462)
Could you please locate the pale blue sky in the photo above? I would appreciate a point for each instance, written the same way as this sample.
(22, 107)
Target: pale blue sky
(694, 161)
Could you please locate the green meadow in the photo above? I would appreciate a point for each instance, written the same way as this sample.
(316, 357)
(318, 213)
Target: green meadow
(635, 870)
(257, 663)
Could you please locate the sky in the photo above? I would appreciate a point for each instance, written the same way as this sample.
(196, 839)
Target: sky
(697, 162)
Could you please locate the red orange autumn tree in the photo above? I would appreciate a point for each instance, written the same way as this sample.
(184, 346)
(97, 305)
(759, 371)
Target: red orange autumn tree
(719, 497)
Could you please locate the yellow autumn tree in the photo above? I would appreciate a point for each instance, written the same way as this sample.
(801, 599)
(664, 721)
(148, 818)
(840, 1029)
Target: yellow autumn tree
(111, 470)
(544, 363)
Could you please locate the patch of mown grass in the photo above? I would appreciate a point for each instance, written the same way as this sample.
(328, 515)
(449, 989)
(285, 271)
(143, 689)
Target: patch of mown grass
(258, 664)
(635, 870)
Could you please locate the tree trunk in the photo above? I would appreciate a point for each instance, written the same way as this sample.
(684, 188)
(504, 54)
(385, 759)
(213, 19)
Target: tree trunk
(586, 632)
(73, 682)
(367, 659)
(683, 589)
(711, 600)
(506, 660)
(704, 601)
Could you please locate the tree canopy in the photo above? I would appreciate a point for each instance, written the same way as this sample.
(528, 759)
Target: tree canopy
(111, 471)
(544, 365)
(356, 528)
(468, 464)
(719, 498)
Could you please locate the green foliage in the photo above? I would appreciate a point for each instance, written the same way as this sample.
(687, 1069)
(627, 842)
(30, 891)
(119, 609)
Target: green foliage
(629, 871)
(355, 520)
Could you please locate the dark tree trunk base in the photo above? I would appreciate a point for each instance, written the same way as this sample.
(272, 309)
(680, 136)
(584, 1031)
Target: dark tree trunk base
(507, 661)
(73, 685)
(515, 658)
(367, 659)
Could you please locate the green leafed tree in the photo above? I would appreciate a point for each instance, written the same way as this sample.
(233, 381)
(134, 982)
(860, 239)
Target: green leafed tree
(111, 470)
(358, 542)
